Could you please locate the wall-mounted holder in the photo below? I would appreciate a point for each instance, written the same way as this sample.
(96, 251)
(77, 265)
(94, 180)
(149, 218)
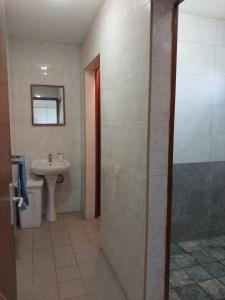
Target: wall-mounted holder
(16, 159)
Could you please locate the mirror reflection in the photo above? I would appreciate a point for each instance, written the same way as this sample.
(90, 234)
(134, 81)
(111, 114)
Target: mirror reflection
(48, 105)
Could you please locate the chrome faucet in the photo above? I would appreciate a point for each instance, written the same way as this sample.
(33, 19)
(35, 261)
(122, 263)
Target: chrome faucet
(50, 158)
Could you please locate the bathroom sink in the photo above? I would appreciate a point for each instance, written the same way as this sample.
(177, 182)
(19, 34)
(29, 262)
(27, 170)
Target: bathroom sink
(44, 167)
(50, 170)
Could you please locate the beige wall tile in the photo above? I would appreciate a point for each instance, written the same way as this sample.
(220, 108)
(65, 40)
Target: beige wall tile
(117, 35)
(37, 142)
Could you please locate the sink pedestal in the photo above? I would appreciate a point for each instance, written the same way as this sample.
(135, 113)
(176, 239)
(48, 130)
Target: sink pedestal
(50, 170)
(50, 201)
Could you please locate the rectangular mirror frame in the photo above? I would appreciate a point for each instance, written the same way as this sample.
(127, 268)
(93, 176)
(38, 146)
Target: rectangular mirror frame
(32, 106)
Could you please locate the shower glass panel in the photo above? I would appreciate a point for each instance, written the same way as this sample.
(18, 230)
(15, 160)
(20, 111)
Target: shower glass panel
(197, 263)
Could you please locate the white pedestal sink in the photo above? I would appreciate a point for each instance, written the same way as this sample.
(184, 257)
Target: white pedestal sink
(50, 170)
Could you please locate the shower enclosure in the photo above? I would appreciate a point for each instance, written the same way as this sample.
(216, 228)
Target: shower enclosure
(197, 264)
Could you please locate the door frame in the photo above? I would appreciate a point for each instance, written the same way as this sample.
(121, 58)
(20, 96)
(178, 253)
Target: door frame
(171, 142)
(91, 122)
(97, 142)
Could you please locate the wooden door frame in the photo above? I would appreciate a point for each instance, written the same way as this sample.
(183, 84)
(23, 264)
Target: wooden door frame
(171, 143)
(97, 142)
(89, 205)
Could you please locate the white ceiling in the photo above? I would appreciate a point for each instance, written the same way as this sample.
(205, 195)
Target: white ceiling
(208, 8)
(63, 21)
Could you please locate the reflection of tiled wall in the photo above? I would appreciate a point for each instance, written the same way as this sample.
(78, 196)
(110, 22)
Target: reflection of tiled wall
(200, 99)
(121, 34)
(26, 58)
(198, 201)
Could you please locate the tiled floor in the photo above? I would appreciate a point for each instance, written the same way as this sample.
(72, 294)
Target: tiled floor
(63, 260)
(198, 270)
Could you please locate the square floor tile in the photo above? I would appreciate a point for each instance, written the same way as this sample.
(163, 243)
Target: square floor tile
(222, 280)
(192, 292)
(173, 295)
(23, 268)
(44, 228)
(60, 241)
(218, 253)
(94, 238)
(180, 278)
(24, 283)
(58, 225)
(220, 241)
(79, 238)
(63, 250)
(41, 235)
(44, 278)
(75, 230)
(214, 288)
(59, 233)
(80, 298)
(222, 262)
(88, 256)
(176, 249)
(198, 273)
(96, 283)
(26, 294)
(65, 261)
(25, 256)
(43, 265)
(217, 269)
(89, 228)
(106, 295)
(192, 246)
(71, 289)
(83, 247)
(93, 268)
(109, 295)
(42, 244)
(42, 254)
(26, 246)
(45, 293)
(208, 243)
(182, 261)
(203, 257)
(68, 273)
(23, 235)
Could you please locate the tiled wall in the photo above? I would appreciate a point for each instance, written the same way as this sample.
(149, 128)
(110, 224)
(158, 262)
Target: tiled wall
(200, 99)
(199, 149)
(198, 201)
(26, 59)
(120, 33)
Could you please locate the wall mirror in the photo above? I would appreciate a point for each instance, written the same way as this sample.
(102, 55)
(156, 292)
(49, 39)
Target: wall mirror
(48, 105)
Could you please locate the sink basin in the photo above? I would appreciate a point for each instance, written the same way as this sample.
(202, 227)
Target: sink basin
(44, 168)
(50, 171)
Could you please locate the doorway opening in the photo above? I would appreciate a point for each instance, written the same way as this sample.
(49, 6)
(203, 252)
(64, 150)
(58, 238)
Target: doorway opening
(92, 207)
(196, 240)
